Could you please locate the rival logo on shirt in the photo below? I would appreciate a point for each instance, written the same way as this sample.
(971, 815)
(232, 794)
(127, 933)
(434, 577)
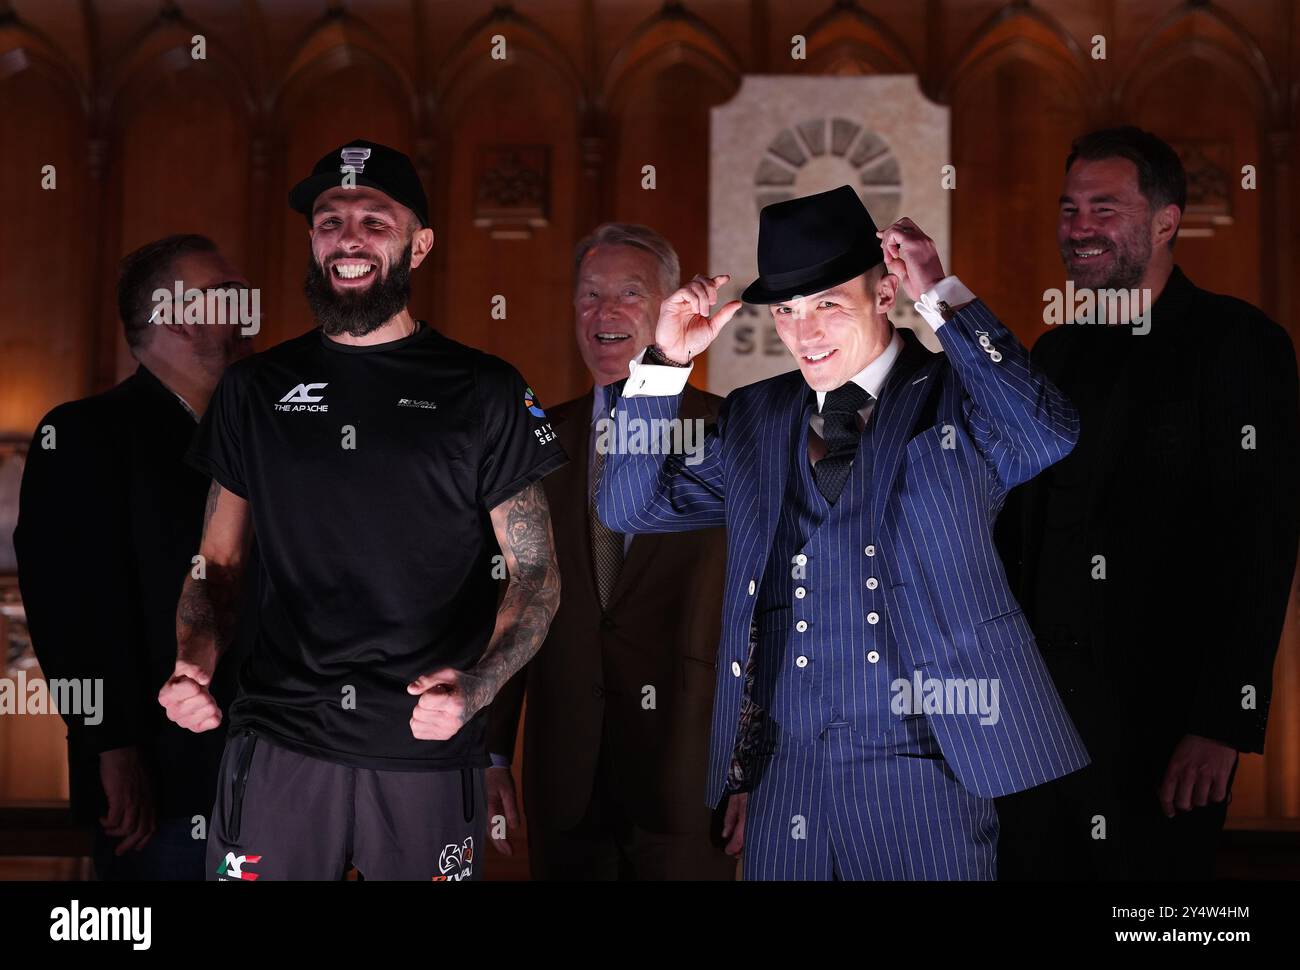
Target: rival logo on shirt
(530, 402)
(407, 402)
(543, 434)
(302, 399)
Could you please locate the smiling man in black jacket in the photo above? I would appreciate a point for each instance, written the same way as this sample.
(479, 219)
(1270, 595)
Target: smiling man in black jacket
(1156, 560)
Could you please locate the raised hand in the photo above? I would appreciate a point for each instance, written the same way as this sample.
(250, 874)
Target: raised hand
(685, 328)
(912, 256)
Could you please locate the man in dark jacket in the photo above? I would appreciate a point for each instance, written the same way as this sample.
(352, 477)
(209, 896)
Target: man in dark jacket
(1156, 560)
(109, 523)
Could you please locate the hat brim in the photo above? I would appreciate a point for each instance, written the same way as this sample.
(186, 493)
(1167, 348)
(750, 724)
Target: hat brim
(759, 293)
(302, 197)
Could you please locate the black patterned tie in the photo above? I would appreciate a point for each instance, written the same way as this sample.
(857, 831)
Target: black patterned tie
(606, 544)
(841, 433)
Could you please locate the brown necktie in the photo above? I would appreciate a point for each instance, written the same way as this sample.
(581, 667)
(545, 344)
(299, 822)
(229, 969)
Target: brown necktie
(606, 544)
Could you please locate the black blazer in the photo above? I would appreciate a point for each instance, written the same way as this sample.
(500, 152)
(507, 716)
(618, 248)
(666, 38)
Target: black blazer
(108, 521)
(1198, 531)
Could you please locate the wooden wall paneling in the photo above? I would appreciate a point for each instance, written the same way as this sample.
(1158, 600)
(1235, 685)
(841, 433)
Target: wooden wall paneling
(1017, 102)
(254, 43)
(182, 107)
(65, 27)
(850, 40)
(1199, 82)
(33, 755)
(593, 134)
(181, 165)
(1029, 34)
(535, 98)
(660, 89)
(1191, 102)
(47, 246)
(1278, 776)
(439, 189)
(1284, 141)
(427, 164)
(665, 123)
(760, 36)
(1270, 786)
(936, 28)
(1288, 255)
(517, 106)
(612, 26)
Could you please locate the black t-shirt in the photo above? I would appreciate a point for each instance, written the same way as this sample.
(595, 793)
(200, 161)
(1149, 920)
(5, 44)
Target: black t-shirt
(370, 472)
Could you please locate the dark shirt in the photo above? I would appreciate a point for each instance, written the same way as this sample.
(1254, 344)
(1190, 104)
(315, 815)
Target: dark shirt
(109, 520)
(371, 472)
(1066, 568)
(1185, 480)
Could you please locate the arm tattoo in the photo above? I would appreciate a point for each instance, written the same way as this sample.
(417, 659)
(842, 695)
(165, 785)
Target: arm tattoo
(523, 524)
(208, 607)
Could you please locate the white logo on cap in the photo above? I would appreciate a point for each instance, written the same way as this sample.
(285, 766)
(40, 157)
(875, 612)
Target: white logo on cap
(354, 159)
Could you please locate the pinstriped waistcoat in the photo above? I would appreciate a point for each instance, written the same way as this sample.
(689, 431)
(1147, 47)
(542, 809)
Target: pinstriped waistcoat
(824, 654)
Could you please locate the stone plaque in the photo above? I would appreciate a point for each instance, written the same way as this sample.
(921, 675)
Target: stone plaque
(782, 137)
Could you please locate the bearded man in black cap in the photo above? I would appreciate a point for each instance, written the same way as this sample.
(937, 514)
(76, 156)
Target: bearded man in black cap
(877, 682)
(380, 466)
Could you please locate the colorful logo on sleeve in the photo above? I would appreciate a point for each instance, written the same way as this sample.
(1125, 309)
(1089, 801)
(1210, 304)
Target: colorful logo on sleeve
(530, 402)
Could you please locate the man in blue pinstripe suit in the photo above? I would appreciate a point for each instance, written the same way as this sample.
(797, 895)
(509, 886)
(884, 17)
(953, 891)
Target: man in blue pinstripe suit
(877, 682)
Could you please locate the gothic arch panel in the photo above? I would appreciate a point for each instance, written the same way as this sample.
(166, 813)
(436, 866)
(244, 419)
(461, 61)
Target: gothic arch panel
(1012, 129)
(46, 250)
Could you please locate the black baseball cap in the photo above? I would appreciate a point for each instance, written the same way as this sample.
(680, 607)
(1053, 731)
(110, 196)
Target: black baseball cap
(373, 165)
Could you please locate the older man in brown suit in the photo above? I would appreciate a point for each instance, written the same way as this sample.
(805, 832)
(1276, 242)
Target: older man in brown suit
(620, 695)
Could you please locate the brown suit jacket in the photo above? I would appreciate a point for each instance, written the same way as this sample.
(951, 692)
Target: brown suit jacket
(661, 630)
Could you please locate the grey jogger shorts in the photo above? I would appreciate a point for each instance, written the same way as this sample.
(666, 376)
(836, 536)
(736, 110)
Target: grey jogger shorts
(280, 814)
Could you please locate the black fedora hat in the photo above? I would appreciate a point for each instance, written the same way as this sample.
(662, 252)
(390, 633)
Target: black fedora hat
(811, 244)
(371, 164)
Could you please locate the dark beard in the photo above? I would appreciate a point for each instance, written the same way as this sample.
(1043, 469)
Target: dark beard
(1130, 262)
(359, 313)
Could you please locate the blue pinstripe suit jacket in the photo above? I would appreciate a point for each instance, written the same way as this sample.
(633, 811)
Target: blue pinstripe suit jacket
(953, 433)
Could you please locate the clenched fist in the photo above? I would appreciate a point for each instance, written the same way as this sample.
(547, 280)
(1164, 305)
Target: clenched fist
(187, 700)
(448, 699)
